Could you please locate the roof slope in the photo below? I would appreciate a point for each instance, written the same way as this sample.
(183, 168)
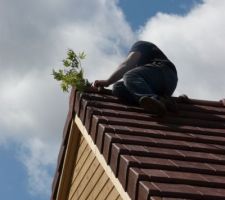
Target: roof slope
(178, 156)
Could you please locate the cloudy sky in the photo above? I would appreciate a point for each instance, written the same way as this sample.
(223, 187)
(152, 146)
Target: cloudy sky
(34, 38)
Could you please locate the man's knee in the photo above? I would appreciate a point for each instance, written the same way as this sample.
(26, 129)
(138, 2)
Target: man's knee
(117, 88)
(129, 77)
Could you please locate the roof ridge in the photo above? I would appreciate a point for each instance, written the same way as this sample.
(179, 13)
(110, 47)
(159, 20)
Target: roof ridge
(180, 99)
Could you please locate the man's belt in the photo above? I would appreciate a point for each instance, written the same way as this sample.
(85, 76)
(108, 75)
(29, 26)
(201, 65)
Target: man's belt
(161, 63)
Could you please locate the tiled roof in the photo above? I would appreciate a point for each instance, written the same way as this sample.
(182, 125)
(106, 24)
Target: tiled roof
(179, 156)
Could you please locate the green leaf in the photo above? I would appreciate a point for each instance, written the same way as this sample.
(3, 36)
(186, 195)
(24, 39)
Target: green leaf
(80, 74)
(72, 74)
(57, 75)
(64, 86)
(82, 55)
(67, 62)
(75, 63)
(71, 54)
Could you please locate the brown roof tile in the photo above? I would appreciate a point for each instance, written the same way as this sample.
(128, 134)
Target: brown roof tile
(179, 156)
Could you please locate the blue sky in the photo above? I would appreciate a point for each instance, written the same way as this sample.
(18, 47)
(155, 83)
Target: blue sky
(34, 39)
(14, 183)
(13, 174)
(138, 13)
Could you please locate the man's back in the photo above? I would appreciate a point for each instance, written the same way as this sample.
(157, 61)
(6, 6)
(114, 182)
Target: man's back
(149, 52)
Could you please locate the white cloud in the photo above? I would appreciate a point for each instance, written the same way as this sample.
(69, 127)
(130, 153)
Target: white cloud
(195, 43)
(34, 38)
(35, 155)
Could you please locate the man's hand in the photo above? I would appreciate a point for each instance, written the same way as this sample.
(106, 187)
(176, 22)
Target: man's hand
(101, 83)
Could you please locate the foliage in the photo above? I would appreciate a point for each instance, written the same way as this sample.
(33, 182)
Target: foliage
(72, 74)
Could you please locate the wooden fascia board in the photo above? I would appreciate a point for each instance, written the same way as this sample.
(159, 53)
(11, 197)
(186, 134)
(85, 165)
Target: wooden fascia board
(68, 162)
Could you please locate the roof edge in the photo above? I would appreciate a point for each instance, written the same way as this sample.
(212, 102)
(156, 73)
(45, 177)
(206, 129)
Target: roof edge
(66, 131)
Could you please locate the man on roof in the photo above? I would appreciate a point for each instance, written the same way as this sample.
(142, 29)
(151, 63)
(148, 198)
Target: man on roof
(149, 78)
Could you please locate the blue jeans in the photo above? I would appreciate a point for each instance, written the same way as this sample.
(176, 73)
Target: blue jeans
(152, 80)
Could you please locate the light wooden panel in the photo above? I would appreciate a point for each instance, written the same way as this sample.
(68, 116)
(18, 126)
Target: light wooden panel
(89, 181)
(81, 163)
(81, 150)
(98, 187)
(107, 169)
(80, 181)
(105, 190)
(119, 198)
(91, 184)
(113, 195)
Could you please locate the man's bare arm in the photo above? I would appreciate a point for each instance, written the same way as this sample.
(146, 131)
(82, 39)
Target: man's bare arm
(130, 63)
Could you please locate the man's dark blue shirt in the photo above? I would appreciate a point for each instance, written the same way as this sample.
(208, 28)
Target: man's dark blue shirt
(150, 53)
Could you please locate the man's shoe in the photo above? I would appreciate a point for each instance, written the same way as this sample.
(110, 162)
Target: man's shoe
(152, 105)
(170, 104)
